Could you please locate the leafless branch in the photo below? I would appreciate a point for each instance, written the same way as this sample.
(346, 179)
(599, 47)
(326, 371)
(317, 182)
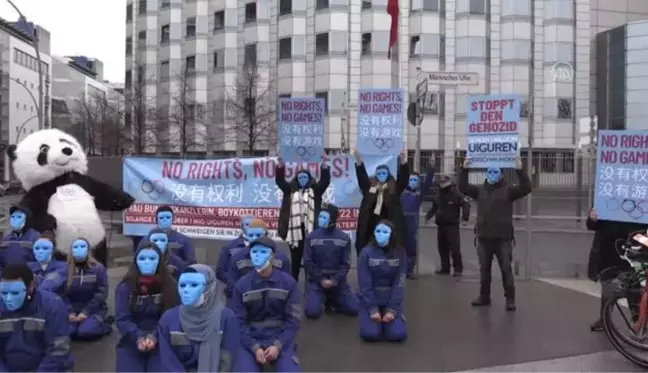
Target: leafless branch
(139, 113)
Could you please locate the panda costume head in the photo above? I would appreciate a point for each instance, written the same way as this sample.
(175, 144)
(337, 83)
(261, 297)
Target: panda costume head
(52, 166)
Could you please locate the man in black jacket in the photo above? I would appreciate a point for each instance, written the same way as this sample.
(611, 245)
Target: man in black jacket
(494, 226)
(449, 206)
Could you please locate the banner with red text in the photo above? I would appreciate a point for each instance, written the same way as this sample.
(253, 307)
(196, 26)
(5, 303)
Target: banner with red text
(209, 197)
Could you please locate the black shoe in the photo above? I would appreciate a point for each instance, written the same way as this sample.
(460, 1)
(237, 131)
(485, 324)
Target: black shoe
(597, 326)
(457, 273)
(481, 302)
(510, 305)
(442, 271)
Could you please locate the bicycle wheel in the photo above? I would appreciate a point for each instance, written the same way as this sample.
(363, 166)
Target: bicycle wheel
(631, 349)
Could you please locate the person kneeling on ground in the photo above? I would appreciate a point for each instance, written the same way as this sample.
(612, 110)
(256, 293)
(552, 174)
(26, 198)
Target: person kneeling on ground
(160, 238)
(179, 244)
(34, 326)
(230, 249)
(86, 293)
(327, 259)
(50, 273)
(382, 269)
(266, 303)
(201, 334)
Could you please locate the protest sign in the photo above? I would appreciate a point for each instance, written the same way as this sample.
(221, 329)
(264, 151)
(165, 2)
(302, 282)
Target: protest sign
(380, 122)
(621, 185)
(301, 129)
(493, 131)
(209, 197)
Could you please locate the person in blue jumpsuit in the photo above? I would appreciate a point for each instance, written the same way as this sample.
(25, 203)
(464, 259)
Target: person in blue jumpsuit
(266, 303)
(145, 293)
(16, 246)
(34, 326)
(50, 274)
(327, 259)
(231, 248)
(200, 335)
(382, 269)
(178, 242)
(411, 200)
(86, 293)
(241, 263)
(160, 238)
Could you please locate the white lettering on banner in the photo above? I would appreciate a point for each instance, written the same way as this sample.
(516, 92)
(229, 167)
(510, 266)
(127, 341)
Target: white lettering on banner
(608, 173)
(215, 193)
(623, 191)
(623, 174)
(639, 191)
(640, 174)
(197, 194)
(262, 193)
(606, 189)
(234, 193)
(179, 191)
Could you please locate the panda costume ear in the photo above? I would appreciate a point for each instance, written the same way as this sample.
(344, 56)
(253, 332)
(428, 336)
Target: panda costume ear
(11, 152)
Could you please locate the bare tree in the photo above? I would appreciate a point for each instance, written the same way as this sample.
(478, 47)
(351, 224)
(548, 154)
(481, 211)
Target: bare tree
(98, 122)
(138, 112)
(251, 106)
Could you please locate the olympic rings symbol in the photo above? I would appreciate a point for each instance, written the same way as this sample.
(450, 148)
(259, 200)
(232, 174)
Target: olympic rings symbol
(154, 189)
(305, 152)
(384, 144)
(636, 209)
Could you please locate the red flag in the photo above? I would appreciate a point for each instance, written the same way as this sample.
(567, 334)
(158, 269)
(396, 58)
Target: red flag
(392, 10)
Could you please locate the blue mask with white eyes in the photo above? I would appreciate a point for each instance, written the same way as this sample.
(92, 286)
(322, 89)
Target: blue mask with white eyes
(303, 179)
(160, 239)
(245, 223)
(191, 288)
(382, 174)
(254, 233)
(324, 219)
(43, 250)
(414, 181)
(80, 250)
(17, 220)
(165, 219)
(13, 294)
(260, 256)
(147, 262)
(493, 175)
(382, 233)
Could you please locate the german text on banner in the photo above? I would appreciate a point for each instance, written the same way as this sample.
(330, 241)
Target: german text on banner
(621, 185)
(380, 121)
(209, 197)
(493, 130)
(301, 128)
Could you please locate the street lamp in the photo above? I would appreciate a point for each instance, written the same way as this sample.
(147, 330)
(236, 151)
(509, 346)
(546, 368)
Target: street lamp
(35, 43)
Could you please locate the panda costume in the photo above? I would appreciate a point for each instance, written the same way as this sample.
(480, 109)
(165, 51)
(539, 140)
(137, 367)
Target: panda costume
(51, 166)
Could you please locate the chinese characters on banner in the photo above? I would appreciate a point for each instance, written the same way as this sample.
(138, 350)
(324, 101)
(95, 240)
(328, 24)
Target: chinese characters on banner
(209, 197)
(493, 124)
(380, 122)
(621, 189)
(301, 129)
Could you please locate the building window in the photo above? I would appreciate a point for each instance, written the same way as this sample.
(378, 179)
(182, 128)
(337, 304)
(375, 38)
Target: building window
(322, 4)
(428, 5)
(128, 79)
(190, 29)
(250, 12)
(323, 95)
(250, 55)
(366, 44)
(516, 50)
(217, 60)
(141, 39)
(164, 69)
(564, 108)
(284, 95)
(415, 48)
(129, 12)
(477, 6)
(516, 7)
(141, 8)
(285, 48)
(322, 44)
(559, 9)
(471, 47)
(165, 4)
(190, 64)
(366, 4)
(559, 52)
(525, 108)
(219, 20)
(141, 73)
(285, 7)
(129, 46)
(165, 34)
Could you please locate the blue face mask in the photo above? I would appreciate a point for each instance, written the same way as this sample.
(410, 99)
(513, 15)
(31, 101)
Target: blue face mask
(165, 219)
(245, 223)
(303, 179)
(80, 250)
(382, 175)
(254, 233)
(260, 256)
(160, 239)
(13, 294)
(324, 219)
(147, 262)
(382, 233)
(493, 175)
(414, 182)
(17, 220)
(43, 250)
(191, 287)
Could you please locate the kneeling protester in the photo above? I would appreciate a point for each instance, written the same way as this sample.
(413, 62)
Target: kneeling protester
(50, 274)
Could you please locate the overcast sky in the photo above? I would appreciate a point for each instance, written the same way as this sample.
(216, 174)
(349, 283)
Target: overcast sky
(93, 28)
